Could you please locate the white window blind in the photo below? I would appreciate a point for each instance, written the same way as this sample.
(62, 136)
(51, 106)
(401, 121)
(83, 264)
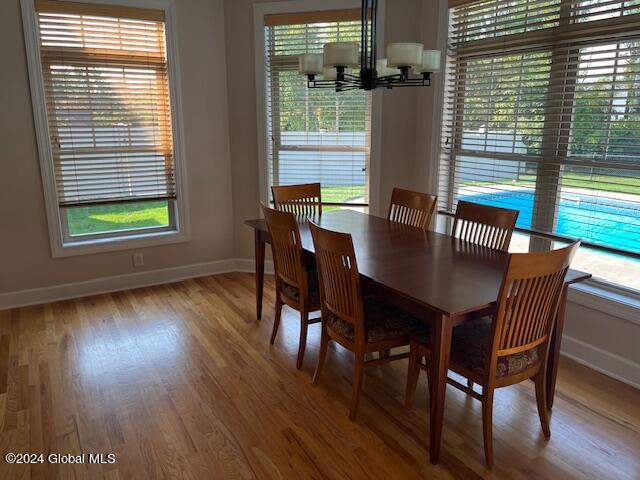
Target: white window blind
(542, 115)
(315, 135)
(107, 97)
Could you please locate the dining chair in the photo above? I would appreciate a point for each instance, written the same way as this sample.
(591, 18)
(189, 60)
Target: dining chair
(296, 283)
(510, 346)
(411, 208)
(359, 325)
(484, 225)
(305, 199)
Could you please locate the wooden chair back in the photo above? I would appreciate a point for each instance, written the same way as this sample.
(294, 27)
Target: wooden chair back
(303, 199)
(286, 248)
(340, 291)
(483, 225)
(411, 208)
(528, 300)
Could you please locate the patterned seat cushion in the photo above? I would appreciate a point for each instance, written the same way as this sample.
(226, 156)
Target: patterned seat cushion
(470, 344)
(314, 289)
(382, 322)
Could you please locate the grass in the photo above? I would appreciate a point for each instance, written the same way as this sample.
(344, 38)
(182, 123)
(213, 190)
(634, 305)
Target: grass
(109, 218)
(605, 183)
(596, 182)
(129, 216)
(341, 194)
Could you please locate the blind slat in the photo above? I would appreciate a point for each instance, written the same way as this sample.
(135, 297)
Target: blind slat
(315, 135)
(542, 115)
(107, 96)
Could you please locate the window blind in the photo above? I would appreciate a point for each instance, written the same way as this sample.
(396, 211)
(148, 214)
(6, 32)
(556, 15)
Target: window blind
(107, 96)
(315, 135)
(542, 115)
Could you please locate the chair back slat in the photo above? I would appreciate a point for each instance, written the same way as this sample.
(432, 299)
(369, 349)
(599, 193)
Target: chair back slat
(302, 200)
(286, 247)
(529, 298)
(490, 227)
(340, 291)
(411, 208)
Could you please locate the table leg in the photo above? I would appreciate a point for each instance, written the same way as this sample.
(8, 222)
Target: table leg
(441, 344)
(554, 349)
(259, 253)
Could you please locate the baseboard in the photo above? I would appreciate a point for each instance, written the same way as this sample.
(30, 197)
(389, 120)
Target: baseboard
(602, 361)
(248, 265)
(113, 284)
(97, 286)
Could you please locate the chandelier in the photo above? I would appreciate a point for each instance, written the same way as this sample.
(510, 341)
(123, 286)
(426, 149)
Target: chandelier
(406, 65)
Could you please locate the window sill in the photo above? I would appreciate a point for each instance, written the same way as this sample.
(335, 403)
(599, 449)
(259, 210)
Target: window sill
(115, 243)
(606, 298)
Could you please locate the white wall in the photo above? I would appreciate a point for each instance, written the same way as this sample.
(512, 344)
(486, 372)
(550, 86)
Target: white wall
(603, 335)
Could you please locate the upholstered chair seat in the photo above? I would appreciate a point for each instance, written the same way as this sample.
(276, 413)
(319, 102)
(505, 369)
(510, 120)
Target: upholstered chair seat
(381, 322)
(470, 349)
(293, 293)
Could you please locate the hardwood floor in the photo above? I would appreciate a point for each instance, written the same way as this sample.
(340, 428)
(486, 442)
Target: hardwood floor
(179, 381)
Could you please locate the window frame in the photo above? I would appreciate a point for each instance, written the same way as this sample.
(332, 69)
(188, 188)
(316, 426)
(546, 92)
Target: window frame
(260, 10)
(547, 211)
(61, 242)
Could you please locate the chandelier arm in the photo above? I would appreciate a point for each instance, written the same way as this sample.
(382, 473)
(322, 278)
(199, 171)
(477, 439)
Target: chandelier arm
(397, 77)
(413, 82)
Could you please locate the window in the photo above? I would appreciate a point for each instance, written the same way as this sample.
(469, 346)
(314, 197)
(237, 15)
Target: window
(108, 146)
(542, 116)
(315, 135)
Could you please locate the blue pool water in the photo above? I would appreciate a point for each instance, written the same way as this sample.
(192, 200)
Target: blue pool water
(603, 221)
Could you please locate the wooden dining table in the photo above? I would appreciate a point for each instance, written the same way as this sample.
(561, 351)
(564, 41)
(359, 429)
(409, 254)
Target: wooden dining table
(438, 278)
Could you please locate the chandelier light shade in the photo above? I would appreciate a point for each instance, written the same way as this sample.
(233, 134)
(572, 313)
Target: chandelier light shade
(430, 61)
(404, 55)
(329, 73)
(406, 65)
(341, 54)
(310, 64)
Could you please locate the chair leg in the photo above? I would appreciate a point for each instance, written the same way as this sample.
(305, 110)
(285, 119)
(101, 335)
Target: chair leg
(304, 323)
(541, 400)
(324, 343)
(470, 384)
(413, 373)
(487, 425)
(276, 320)
(358, 374)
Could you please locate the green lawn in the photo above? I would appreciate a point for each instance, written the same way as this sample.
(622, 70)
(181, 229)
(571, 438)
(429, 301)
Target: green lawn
(128, 216)
(116, 217)
(342, 194)
(604, 183)
(598, 182)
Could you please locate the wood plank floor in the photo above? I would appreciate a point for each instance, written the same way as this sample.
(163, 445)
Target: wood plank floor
(179, 381)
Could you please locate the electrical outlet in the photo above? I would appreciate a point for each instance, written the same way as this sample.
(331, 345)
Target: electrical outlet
(138, 259)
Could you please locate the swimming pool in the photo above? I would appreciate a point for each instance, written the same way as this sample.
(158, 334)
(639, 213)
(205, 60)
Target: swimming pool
(603, 221)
